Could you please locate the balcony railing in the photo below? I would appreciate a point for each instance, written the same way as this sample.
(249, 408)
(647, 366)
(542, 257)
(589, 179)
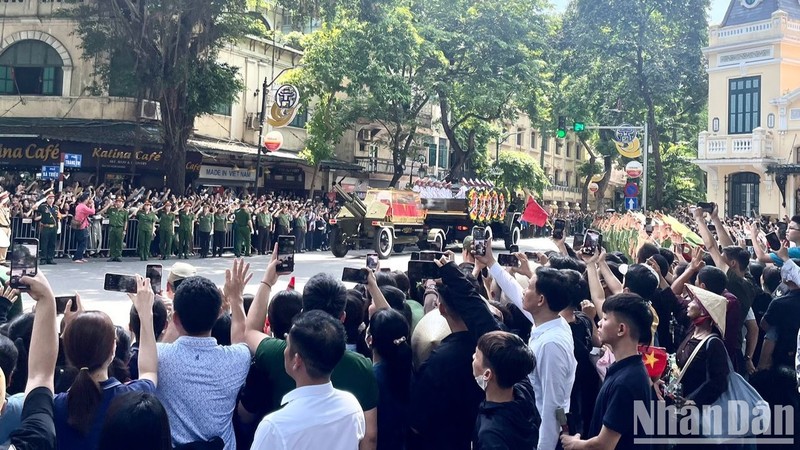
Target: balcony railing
(376, 165)
(756, 145)
(559, 188)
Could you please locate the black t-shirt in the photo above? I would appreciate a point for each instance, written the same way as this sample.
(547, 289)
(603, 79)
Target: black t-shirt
(626, 383)
(784, 314)
(37, 431)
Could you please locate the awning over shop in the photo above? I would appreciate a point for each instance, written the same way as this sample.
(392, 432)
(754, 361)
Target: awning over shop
(784, 169)
(215, 147)
(336, 164)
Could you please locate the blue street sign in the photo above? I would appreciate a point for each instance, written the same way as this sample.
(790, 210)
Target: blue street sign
(72, 160)
(631, 189)
(49, 172)
(631, 203)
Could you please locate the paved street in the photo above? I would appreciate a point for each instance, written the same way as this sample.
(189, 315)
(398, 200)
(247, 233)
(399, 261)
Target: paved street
(87, 279)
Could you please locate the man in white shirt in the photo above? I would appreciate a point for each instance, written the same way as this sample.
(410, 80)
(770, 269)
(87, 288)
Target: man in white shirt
(314, 415)
(551, 340)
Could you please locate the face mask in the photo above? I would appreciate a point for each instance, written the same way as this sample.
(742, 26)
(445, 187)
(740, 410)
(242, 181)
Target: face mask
(482, 381)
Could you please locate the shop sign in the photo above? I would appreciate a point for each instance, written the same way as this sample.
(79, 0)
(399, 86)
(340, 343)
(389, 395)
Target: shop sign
(227, 173)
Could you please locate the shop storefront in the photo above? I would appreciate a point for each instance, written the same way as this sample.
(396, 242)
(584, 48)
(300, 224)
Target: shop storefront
(89, 162)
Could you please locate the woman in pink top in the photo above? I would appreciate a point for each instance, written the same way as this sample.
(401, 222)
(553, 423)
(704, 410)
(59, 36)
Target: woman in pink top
(84, 209)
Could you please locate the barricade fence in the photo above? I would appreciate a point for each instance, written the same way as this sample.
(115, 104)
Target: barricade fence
(98, 236)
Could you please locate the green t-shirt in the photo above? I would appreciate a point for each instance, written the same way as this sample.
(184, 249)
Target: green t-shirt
(353, 374)
(264, 219)
(283, 220)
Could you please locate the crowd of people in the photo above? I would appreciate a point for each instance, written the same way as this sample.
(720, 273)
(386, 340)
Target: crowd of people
(552, 352)
(166, 223)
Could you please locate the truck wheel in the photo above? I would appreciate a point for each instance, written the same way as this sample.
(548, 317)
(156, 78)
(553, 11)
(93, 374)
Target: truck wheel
(338, 247)
(398, 248)
(438, 243)
(383, 242)
(513, 236)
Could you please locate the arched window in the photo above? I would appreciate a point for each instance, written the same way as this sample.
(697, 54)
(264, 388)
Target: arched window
(743, 194)
(31, 67)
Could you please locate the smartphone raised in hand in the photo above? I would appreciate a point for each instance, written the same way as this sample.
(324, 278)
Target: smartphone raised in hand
(120, 283)
(285, 254)
(773, 241)
(507, 260)
(592, 242)
(353, 275)
(430, 255)
(61, 303)
(707, 206)
(479, 241)
(372, 261)
(153, 272)
(24, 261)
(558, 229)
(423, 270)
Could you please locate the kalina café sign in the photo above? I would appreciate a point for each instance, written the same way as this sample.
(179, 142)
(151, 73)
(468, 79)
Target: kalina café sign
(37, 153)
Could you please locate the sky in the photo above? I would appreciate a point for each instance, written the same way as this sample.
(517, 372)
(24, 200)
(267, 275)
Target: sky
(718, 9)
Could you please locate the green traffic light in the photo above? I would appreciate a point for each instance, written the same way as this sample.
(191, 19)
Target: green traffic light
(578, 127)
(561, 133)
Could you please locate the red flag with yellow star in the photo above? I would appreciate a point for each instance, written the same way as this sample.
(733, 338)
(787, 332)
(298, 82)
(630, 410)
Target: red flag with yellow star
(655, 360)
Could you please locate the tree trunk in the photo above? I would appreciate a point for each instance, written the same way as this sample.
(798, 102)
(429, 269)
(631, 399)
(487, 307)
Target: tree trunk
(654, 137)
(314, 179)
(592, 162)
(603, 183)
(399, 157)
(177, 128)
(459, 155)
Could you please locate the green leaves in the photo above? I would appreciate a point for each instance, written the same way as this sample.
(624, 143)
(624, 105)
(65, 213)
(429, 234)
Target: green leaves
(521, 171)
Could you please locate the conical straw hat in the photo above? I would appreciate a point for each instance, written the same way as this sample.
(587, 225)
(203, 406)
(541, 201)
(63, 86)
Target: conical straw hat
(716, 305)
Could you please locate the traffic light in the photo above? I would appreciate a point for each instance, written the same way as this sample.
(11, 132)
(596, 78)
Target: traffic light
(561, 132)
(578, 127)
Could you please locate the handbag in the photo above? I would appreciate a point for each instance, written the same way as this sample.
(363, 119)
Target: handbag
(738, 397)
(75, 224)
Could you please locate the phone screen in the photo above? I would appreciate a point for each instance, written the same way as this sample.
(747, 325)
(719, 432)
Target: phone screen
(61, 303)
(507, 260)
(773, 241)
(558, 229)
(285, 254)
(430, 255)
(423, 270)
(120, 283)
(479, 241)
(577, 241)
(153, 272)
(591, 242)
(353, 275)
(24, 260)
(372, 261)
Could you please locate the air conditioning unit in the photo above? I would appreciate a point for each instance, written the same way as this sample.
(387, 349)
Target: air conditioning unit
(365, 135)
(150, 110)
(253, 122)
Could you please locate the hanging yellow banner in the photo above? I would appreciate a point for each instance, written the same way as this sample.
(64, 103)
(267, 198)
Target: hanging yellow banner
(632, 150)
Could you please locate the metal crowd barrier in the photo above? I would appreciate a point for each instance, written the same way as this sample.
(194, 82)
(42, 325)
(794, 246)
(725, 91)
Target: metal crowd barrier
(65, 244)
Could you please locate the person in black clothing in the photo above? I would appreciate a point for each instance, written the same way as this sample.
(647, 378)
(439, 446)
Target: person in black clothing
(625, 324)
(159, 324)
(508, 417)
(444, 395)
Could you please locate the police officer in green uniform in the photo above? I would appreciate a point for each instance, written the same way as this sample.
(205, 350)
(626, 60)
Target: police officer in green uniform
(117, 227)
(146, 218)
(47, 216)
(186, 220)
(244, 228)
(205, 224)
(284, 222)
(264, 229)
(300, 227)
(220, 227)
(166, 230)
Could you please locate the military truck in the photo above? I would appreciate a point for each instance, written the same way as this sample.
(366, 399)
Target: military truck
(389, 220)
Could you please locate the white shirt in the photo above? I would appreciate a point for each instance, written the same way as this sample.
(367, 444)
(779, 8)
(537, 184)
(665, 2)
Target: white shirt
(552, 379)
(797, 361)
(313, 417)
(510, 287)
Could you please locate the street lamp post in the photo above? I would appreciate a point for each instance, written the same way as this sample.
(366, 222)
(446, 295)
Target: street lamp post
(261, 149)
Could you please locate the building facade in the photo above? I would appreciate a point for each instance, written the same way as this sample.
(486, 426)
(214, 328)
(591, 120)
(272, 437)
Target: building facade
(750, 148)
(47, 110)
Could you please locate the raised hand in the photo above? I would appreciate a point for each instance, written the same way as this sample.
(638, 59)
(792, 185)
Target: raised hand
(236, 278)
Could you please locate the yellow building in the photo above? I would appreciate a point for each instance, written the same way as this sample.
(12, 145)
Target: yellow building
(750, 150)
